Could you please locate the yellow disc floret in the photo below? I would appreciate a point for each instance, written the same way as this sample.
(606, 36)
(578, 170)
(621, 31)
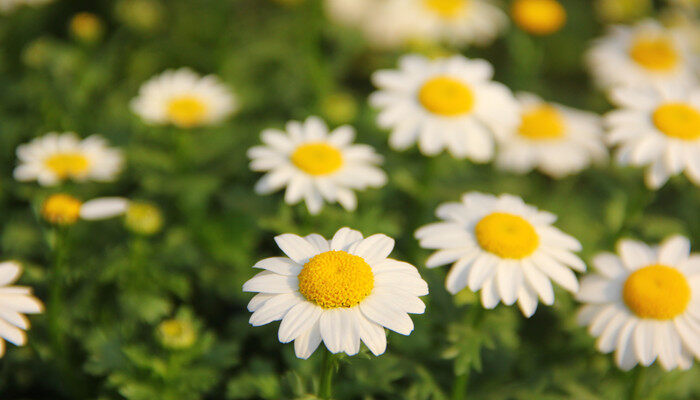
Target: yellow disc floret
(336, 279)
(445, 8)
(68, 165)
(61, 209)
(187, 111)
(542, 123)
(656, 292)
(506, 235)
(539, 17)
(654, 53)
(678, 120)
(446, 96)
(317, 158)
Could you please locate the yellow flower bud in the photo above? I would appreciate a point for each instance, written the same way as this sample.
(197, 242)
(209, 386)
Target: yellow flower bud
(61, 209)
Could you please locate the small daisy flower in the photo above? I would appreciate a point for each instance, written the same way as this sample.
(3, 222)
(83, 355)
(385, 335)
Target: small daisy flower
(184, 99)
(658, 127)
(507, 249)
(642, 54)
(315, 165)
(446, 103)
(64, 209)
(15, 301)
(538, 17)
(339, 292)
(644, 303)
(555, 139)
(7, 6)
(55, 158)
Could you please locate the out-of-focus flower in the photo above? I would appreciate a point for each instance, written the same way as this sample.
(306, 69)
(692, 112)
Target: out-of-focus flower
(315, 165)
(177, 333)
(686, 23)
(339, 108)
(447, 103)
(645, 53)
(54, 158)
(61, 209)
(143, 218)
(86, 27)
(15, 301)
(507, 249)
(657, 127)
(555, 139)
(644, 303)
(622, 10)
(7, 6)
(184, 99)
(538, 17)
(140, 15)
(339, 292)
(38, 52)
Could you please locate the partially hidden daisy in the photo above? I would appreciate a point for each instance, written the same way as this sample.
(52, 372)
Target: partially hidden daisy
(507, 249)
(58, 157)
(448, 103)
(658, 127)
(15, 301)
(645, 53)
(644, 303)
(555, 139)
(315, 165)
(64, 209)
(339, 292)
(184, 99)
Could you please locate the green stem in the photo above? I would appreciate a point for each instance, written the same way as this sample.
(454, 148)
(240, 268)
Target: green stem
(325, 387)
(55, 306)
(459, 389)
(636, 384)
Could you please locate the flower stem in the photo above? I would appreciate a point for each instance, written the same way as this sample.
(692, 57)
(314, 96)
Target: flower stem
(55, 306)
(325, 387)
(636, 384)
(459, 388)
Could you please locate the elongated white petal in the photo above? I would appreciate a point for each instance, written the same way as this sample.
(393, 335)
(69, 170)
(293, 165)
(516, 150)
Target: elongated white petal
(103, 208)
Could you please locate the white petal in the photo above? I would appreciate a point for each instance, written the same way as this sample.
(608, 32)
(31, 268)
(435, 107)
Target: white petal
(625, 356)
(509, 279)
(12, 334)
(307, 342)
(667, 345)
(674, 250)
(279, 265)
(489, 294)
(318, 241)
(634, 254)
(609, 337)
(344, 238)
(296, 247)
(258, 300)
(689, 336)
(298, 320)
(387, 316)
(374, 249)
(10, 271)
(609, 265)
(539, 282)
(371, 333)
(559, 273)
(102, 208)
(483, 268)
(598, 289)
(269, 282)
(446, 256)
(408, 282)
(458, 276)
(275, 308)
(527, 300)
(644, 342)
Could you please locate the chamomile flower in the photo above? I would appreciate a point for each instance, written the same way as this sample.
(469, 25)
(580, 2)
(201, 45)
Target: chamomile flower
(644, 303)
(555, 139)
(339, 292)
(15, 301)
(55, 158)
(447, 103)
(658, 127)
(7, 6)
(64, 209)
(538, 17)
(315, 165)
(645, 53)
(184, 99)
(507, 249)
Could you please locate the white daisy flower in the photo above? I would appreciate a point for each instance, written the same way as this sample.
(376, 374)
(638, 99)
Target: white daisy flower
(446, 103)
(340, 291)
(184, 99)
(658, 127)
(644, 303)
(7, 6)
(315, 165)
(15, 301)
(507, 249)
(55, 158)
(642, 54)
(553, 138)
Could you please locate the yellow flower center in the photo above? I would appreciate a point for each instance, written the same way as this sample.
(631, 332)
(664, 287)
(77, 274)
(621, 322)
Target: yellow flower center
(445, 8)
(539, 17)
(317, 158)
(657, 292)
(506, 235)
(177, 334)
(655, 53)
(446, 96)
(66, 165)
(336, 279)
(187, 111)
(678, 120)
(61, 209)
(542, 123)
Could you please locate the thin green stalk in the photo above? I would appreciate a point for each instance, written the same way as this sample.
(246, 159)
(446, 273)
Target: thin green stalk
(325, 386)
(636, 384)
(55, 306)
(459, 389)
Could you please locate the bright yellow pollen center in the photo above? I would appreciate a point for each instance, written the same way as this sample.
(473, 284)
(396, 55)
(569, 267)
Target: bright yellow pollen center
(678, 120)
(317, 158)
(61, 209)
(187, 111)
(539, 17)
(542, 123)
(655, 53)
(506, 235)
(336, 279)
(446, 96)
(657, 292)
(445, 8)
(67, 165)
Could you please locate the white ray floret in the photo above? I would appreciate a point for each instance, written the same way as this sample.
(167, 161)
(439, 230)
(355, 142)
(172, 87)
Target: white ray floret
(15, 301)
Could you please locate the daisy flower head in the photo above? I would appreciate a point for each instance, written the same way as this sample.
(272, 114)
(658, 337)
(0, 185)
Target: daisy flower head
(184, 99)
(58, 157)
(15, 301)
(339, 292)
(447, 103)
(644, 303)
(555, 139)
(315, 164)
(659, 127)
(645, 53)
(64, 209)
(507, 249)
